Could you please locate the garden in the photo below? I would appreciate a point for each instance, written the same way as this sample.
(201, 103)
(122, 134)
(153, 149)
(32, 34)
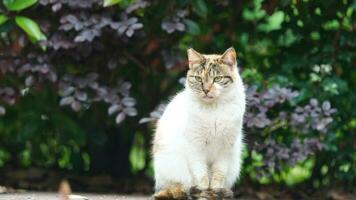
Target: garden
(83, 82)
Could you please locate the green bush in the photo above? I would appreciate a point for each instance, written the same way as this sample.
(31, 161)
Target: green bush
(77, 77)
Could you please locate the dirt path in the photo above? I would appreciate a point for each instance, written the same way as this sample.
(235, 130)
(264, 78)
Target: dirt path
(54, 196)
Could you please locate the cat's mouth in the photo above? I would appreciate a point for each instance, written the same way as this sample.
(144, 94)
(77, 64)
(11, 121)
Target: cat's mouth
(207, 97)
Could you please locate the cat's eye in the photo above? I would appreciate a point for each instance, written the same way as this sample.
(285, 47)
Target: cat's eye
(218, 78)
(198, 78)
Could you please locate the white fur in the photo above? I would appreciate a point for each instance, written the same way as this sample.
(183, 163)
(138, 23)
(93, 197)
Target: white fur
(194, 138)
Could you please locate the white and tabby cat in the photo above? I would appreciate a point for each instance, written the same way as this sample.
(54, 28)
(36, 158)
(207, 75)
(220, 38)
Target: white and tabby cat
(198, 140)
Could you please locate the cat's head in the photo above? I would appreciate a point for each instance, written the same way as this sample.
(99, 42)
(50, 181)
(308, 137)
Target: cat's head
(211, 76)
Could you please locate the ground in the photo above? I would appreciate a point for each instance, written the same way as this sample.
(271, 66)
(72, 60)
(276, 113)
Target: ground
(31, 184)
(329, 195)
(54, 196)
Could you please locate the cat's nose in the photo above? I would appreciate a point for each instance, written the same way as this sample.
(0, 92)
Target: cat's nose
(206, 91)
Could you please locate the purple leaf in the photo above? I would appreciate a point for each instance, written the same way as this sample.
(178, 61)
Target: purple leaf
(326, 105)
(81, 96)
(67, 91)
(56, 7)
(114, 108)
(314, 102)
(2, 110)
(76, 106)
(66, 101)
(130, 111)
(29, 81)
(128, 101)
(145, 120)
(120, 117)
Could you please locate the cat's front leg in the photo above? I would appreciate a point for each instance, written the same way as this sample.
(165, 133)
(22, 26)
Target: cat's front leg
(200, 174)
(199, 170)
(219, 171)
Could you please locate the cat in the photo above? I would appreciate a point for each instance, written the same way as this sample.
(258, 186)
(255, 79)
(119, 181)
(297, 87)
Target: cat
(198, 141)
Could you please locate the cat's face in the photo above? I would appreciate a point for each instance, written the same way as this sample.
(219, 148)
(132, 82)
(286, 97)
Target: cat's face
(209, 76)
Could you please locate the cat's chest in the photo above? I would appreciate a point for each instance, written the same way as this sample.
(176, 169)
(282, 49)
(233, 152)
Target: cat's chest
(211, 124)
(213, 127)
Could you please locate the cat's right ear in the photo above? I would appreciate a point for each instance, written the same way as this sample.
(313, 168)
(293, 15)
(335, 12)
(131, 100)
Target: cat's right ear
(194, 57)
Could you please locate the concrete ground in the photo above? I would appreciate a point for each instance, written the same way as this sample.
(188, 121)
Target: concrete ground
(54, 196)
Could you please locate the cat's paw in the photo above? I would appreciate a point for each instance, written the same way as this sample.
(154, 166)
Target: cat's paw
(198, 194)
(194, 192)
(222, 193)
(175, 193)
(218, 194)
(161, 195)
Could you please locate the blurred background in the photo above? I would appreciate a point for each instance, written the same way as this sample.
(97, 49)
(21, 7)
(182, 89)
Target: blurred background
(82, 83)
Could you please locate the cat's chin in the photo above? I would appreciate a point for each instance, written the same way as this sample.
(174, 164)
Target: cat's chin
(207, 98)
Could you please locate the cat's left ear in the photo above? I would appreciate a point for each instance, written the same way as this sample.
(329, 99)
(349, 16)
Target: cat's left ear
(229, 57)
(194, 57)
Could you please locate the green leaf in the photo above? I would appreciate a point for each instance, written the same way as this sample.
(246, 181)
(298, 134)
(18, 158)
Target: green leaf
(200, 8)
(17, 5)
(7, 26)
(3, 19)
(4, 156)
(255, 13)
(71, 130)
(193, 27)
(25, 158)
(31, 28)
(137, 154)
(274, 22)
(108, 3)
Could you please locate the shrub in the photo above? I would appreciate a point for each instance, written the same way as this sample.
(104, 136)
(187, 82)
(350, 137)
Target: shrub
(78, 76)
